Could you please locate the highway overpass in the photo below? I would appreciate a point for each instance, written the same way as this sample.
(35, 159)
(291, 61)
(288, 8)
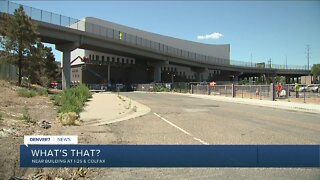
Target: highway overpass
(68, 34)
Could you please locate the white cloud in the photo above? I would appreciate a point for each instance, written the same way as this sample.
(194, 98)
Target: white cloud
(214, 35)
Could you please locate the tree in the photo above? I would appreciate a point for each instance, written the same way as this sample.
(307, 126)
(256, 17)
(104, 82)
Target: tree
(40, 65)
(18, 37)
(315, 70)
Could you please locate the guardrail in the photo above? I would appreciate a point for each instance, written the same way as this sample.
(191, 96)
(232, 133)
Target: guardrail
(57, 19)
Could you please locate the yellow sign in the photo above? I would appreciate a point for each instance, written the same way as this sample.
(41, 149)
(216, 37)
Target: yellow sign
(120, 35)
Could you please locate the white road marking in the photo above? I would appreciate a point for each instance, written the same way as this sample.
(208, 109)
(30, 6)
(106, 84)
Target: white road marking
(182, 130)
(203, 142)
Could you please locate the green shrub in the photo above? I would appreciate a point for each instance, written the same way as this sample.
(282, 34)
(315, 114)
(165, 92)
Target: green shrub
(161, 88)
(41, 91)
(56, 99)
(23, 92)
(73, 99)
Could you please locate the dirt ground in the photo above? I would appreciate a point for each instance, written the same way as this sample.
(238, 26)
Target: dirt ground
(13, 128)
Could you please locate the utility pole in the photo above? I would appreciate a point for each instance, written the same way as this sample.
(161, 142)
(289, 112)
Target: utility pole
(269, 69)
(269, 63)
(286, 63)
(308, 55)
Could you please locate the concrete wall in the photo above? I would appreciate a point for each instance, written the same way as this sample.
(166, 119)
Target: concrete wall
(80, 25)
(220, 51)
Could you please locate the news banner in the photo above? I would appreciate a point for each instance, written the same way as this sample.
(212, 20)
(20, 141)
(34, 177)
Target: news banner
(64, 151)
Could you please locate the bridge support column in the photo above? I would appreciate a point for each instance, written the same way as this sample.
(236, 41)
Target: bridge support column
(109, 73)
(157, 70)
(157, 74)
(66, 70)
(66, 67)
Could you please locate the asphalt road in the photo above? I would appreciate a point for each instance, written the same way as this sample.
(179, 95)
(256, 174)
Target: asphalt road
(178, 119)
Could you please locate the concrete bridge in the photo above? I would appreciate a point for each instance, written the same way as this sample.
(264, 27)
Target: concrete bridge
(66, 33)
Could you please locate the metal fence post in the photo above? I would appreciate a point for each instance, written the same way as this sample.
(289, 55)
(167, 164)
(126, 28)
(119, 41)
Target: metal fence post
(273, 93)
(260, 92)
(287, 92)
(225, 89)
(304, 94)
(242, 91)
(233, 90)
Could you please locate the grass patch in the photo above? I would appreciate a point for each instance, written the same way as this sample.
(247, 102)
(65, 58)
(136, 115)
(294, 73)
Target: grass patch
(26, 116)
(41, 91)
(72, 99)
(33, 91)
(23, 92)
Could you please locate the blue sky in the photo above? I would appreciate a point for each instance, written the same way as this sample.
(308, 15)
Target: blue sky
(265, 29)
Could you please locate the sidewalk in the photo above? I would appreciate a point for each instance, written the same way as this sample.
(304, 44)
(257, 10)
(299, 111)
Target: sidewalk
(311, 108)
(302, 107)
(105, 108)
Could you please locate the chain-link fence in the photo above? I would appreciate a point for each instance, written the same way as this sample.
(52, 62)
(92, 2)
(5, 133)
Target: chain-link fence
(253, 91)
(8, 71)
(200, 89)
(221, 90)
(303, 93)
(289, 92)
(240, 91)
(180, 87)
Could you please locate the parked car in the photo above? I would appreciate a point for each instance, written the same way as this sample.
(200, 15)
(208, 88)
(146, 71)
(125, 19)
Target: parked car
(315, 88)
(56, 85)
(310, 88)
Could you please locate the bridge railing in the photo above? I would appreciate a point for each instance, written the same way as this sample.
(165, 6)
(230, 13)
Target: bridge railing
(263, 65)
(57, 19)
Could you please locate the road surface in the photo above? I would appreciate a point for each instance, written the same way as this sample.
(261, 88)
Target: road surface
(178, 119)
